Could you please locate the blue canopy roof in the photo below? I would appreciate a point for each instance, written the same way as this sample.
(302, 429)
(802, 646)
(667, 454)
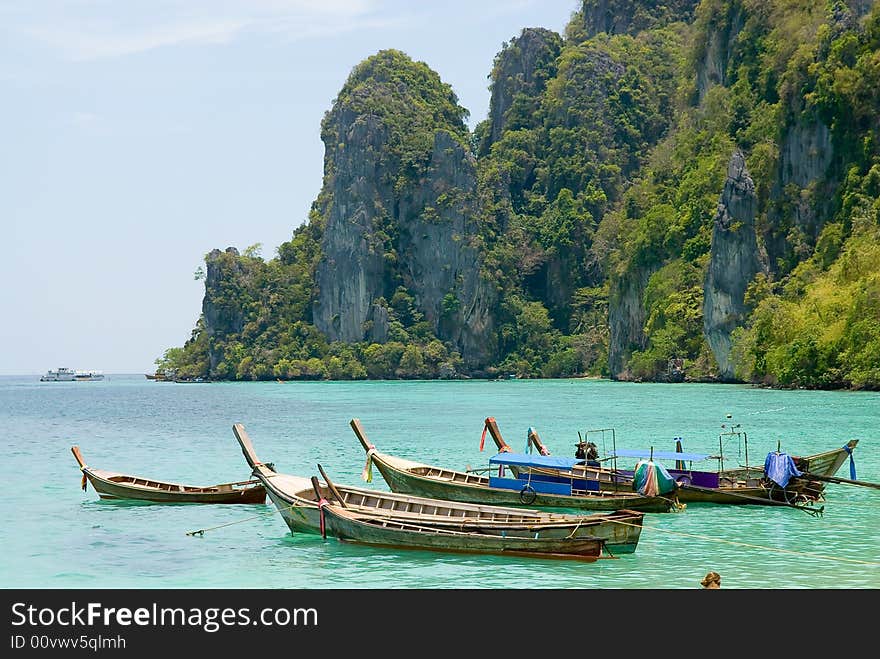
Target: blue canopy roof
(660, 455)
(529, 460)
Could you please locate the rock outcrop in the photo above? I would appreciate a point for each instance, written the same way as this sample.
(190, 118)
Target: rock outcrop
(519, 77)
(438, 260)
(402, 212)
(715, 51)
(226, 279)
(350, 277)
(627, 16)
(802, 194)
(733, 263)
(626, 321)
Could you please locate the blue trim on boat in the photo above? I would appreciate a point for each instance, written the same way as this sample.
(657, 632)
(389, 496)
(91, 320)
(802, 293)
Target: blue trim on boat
(527, 460)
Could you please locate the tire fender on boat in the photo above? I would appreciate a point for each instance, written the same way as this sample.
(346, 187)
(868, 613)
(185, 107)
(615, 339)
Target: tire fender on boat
(528, 495)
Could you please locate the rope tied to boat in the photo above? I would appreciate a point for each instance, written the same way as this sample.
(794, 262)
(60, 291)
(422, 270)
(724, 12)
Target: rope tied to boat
(483, 436)
(268, 465)
(852, 464)
(367, 473)
(201, 532)
(532, 439)
(575, 529)
(321, 503)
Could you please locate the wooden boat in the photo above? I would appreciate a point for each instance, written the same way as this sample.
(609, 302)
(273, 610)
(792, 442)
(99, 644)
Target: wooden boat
(113, 485)
(827, 463)
(296, 500)
(740, 485)
(377, 530)
(408, 477)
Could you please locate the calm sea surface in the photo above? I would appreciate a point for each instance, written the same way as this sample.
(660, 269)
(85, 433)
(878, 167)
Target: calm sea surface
(55, 535)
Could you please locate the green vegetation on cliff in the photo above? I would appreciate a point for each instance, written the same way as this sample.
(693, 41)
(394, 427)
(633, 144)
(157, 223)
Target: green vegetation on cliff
(576, 230)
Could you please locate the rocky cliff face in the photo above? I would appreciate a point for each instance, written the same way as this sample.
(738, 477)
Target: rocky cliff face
(733, 263)
(626, 320)
(401, 213)
(350, 277)
(519, 77)
(438, 259)
(628, 16)
(715, 52)
(801, 194)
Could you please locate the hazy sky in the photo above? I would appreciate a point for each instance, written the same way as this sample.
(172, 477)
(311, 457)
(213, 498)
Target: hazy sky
(137, 136)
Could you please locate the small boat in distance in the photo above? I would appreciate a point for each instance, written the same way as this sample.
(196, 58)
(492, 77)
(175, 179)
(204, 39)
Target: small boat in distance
(113, 485)
(61, 374)
(69, 375)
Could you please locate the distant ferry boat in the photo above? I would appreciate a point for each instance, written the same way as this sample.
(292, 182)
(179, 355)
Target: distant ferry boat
(69, 375)
(59, 375)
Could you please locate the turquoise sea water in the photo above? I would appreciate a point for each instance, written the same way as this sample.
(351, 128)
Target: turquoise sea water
(57, 536)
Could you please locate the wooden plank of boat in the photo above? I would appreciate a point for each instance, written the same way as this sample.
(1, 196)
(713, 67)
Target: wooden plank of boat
(384, 532)
(407, 477)
(114, 485)
(296, 501)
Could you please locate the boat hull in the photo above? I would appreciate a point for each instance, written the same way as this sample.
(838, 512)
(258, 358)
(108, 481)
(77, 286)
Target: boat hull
(619, 533)
(221, 494)
(827, 463)
(405, 481)
(376, 531)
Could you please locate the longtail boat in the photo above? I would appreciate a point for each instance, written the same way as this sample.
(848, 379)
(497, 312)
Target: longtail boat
(113, 485)
(740, 485)
(384, 532)
(408, 477)
(298, 504)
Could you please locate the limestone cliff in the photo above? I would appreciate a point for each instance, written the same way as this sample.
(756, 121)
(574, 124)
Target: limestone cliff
(438, 260)
(519, 77)
(350, 277)
(402, 191)
(733, 263)
(627, 16)
(801, 195)
(626, 320)
(590, 193)
(716, 42)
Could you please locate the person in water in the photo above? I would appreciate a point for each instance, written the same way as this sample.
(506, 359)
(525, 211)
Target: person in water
(711, 580)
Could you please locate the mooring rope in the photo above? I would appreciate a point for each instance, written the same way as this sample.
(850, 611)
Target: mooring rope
(272, 510)
(246, 519)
